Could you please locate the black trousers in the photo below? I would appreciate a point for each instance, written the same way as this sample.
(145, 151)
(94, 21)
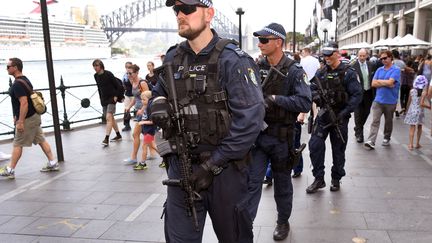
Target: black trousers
(361, 114)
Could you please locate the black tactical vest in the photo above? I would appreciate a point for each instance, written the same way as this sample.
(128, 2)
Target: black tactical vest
(276, 85)
(333, 83)
(202, 100)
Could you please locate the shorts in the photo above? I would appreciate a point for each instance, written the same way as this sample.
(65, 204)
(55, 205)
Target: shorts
(32, 132)
(148, 138)
(110, 108)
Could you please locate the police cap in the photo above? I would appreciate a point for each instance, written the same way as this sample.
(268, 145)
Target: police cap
(329, 48)
(272, 29)
(206, 3)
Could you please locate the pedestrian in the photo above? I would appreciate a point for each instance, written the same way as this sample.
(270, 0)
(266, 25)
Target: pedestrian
(386, 81)
(217, 118)
(151, 78)
(27, 122)
(415, 115)
(139, 85)
(148, 129)
(286, 94)
(337, 91)
(365, 71)
(128, 98)
(109, 90)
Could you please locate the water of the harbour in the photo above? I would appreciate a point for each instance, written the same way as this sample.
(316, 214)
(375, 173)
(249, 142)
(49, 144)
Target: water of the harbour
(74, 72)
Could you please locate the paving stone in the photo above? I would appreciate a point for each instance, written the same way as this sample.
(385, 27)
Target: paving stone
(410, 237)
(121, 213)
(93, 229)
(52, 196)
(45, 239)
(17, 238)
(135, 231)
(96, 197)
(128, 199)
(400, 221)
(86, 211)
(374, 236)
(20, 207)
(69, 185)
(16, 224)
(53, 227)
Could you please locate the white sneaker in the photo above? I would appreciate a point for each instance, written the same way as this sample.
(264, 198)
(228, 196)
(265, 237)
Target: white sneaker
(4, 156)
(386, 142)
(369, 145)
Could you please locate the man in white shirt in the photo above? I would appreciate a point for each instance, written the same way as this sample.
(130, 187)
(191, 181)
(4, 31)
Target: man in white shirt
(309, 63)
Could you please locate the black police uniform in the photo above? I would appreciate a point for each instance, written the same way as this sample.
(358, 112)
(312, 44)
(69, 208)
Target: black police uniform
(225, 110)
(293, 96)
(344, 88)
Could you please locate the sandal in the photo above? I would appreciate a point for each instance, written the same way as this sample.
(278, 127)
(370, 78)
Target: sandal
(418, 146)
(410, 147)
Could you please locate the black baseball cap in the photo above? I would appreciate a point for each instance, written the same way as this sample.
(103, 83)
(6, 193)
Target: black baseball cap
(206, 3)
(272, 29)
(329, 48)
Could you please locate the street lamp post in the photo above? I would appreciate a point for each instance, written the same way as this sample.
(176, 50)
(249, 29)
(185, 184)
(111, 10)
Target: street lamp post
(325, 25)
(240, 12)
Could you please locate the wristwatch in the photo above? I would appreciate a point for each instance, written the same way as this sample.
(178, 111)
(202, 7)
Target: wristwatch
(215, 170)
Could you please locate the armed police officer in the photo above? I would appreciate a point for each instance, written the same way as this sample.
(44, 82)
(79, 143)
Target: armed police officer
(286, 95)
(337, 91)
(209, 103)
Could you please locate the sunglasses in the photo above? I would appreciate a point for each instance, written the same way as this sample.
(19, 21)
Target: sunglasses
(130, 73)
(265, 40)
(186, 9)
(7, 67)
(383, 58)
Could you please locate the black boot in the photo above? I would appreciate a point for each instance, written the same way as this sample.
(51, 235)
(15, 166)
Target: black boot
(126, 122)
(317, 184)
(281, 231)
(335, 185)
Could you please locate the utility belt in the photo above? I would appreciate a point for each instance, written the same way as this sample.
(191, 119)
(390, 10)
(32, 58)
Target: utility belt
(281, 131)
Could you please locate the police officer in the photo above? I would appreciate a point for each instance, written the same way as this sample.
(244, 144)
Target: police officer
(222, 110)
(337, 91)
(286, 95)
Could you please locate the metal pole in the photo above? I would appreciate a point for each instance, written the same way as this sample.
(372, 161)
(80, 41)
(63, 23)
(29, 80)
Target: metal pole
(336, 29)
(240, 12)
(294, 27)
(50, 68)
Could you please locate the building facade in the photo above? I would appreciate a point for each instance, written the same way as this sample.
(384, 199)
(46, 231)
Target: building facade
(372, 20)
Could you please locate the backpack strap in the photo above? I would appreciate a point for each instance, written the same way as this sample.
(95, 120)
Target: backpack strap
(29, 89)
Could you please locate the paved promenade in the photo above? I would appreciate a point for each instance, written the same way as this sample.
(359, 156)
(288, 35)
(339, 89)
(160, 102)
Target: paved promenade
(386, 196)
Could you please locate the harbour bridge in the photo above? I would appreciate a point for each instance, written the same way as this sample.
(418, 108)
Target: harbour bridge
(122, 20)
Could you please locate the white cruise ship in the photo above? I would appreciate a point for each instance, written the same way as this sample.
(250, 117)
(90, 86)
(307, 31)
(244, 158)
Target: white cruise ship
(22, 37)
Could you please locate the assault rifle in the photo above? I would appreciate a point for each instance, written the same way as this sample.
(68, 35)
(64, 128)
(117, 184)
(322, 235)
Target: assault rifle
(272, 76)
(182, 150)
(326, 105)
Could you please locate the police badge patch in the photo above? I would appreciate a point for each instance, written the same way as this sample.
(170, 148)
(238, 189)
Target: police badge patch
(252, 76)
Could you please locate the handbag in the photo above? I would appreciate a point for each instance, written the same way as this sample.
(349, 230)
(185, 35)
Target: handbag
(36, 98)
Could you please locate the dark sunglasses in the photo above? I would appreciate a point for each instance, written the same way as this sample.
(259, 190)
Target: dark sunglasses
(8, 66)
(130, 73)
(383, 58)
(265, 40)
(184, 8)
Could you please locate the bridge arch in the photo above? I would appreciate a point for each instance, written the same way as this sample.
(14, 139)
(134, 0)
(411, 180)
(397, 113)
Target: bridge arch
(121, 20)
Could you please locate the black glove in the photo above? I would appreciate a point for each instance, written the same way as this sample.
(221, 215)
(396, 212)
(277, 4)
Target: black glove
(201, 178)
(269, 101)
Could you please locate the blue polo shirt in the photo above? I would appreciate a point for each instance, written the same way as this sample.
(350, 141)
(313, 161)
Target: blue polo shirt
(387, 95)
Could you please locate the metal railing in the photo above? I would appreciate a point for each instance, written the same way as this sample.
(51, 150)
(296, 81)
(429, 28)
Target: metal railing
(69, 109)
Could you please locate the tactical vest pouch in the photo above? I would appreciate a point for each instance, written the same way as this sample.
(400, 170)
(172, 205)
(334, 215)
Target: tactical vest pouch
(215, 126)
(165, 148)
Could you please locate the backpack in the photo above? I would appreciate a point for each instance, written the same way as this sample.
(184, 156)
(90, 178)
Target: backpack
(121, 91)
(36, 98)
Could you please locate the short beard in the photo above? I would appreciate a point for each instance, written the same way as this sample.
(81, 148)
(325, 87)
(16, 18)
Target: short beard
(191, 34)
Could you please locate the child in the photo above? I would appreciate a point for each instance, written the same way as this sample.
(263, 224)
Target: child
(148, 130)
(415, 114)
